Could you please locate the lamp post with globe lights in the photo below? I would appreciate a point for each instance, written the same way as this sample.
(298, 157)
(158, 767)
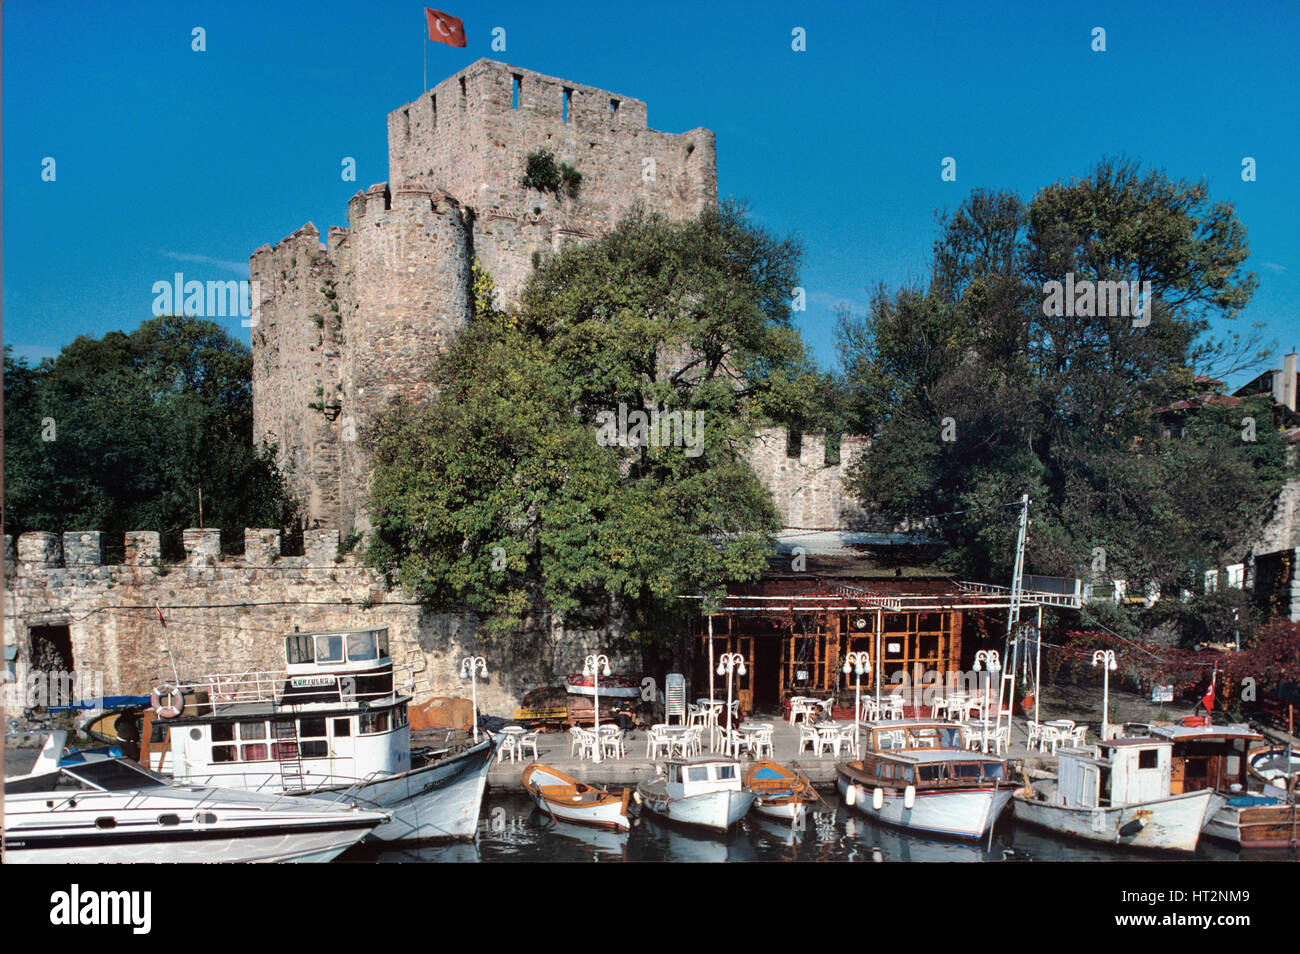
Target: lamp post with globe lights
(471, 667)
(1106, 659)
(593, 666)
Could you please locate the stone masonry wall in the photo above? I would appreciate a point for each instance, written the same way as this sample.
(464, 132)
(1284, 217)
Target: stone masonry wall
(808, 492)
(232, 615)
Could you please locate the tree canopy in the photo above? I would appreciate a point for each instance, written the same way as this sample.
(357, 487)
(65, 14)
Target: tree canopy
(978, 389)
(525, 489)
(119, 433)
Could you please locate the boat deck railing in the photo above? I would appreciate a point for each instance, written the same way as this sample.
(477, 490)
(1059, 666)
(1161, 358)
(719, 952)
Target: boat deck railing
(280, 689)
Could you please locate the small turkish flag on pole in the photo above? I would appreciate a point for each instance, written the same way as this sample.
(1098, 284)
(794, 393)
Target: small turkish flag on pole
(1207, 700)
(444, 28)
(160, 615)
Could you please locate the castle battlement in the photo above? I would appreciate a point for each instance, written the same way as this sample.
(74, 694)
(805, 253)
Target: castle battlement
(39, 551)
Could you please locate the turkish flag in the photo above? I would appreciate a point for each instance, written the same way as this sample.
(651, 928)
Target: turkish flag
(1207, 700)
(444, 28)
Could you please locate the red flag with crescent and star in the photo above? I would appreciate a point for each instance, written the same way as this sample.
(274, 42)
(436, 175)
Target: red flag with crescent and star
(444, 28)
(1207, 700)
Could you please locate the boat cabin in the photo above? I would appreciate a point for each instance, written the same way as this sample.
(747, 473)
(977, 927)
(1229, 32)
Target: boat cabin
(334, 713)
(924, 753)
(1209, 756)
(700, 775)
(1124, 771)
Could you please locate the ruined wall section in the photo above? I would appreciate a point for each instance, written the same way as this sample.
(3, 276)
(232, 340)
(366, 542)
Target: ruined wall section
(231, 615)
(470, 137)
(808, 492)
(405, 292)
(297, 345)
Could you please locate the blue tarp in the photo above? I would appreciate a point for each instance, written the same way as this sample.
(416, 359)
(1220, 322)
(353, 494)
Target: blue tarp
(107, 702)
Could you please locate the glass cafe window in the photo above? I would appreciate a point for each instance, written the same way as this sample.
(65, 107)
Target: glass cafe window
(329, 649)
(298, 649)
(361, 646)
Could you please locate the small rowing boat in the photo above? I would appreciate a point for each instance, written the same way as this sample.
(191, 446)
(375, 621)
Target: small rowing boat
(566, 798)
(779, 792)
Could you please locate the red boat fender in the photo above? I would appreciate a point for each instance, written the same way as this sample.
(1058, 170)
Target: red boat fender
(1195, 721)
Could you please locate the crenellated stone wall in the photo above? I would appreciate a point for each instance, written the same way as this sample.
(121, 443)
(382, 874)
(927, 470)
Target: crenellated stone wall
(808, 492)
(231, 614)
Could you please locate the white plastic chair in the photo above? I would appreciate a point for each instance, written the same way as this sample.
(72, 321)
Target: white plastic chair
(849, 739)
(763, 744)
(1033, 729)
(807, 736)
(509, 746)
(658, 742)
(1079, 736)
(527, 741)
(611, 742)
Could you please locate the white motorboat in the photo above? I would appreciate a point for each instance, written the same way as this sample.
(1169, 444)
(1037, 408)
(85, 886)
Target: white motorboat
(334, 723)
(1119, 795)
(105, 809)
(917, 774)
(702, 792)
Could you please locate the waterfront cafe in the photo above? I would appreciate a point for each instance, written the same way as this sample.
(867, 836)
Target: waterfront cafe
(830, 593)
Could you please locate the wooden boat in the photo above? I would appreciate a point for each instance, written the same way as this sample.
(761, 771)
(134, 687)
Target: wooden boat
(566, 798)
(1274, 768)
(779, 792)
(917, 774)
(1218, 758)
(1119, 796)
(614, 687)
(703, 792)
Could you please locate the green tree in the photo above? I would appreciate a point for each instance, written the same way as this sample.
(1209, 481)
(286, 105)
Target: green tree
(976, 392)
(120, 433)
(505, 494)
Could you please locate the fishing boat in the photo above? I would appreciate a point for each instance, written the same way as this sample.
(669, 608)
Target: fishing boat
(1218, 758)
(917, 774)
(615, 687)
(105, 809)
(702, 792)
(780, 793)
(334, 722)
(1119, 796)
(563, 797)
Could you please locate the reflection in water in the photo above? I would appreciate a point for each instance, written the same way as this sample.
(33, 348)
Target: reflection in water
(513, 829)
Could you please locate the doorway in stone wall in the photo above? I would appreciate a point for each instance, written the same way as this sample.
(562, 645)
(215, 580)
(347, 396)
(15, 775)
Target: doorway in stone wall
(51, 648)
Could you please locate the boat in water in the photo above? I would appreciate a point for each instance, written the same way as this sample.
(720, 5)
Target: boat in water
(563, 797)
(1118, 794)
(702, 792)
(1276, 769)
(780, 793)
(105, 809)
(917, 774)
(1218, 758)
(333, 723)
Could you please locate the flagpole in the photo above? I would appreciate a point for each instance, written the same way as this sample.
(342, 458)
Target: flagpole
(424, 42)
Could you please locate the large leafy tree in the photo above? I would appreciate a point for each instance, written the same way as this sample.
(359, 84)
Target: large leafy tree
(121, 433)
(977, 392)
(502, 493)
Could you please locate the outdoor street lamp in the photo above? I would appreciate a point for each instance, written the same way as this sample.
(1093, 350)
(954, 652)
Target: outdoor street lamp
(1106, 659)
(729, 663)
(860, 663)
(592, 667)
(992, 662)
(471, 667)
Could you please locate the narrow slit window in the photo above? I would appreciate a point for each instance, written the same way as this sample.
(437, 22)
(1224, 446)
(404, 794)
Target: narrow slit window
(568, 98)
(613, 110)
(462, 92)
(433, 108)
(406, 122)
(517, 84)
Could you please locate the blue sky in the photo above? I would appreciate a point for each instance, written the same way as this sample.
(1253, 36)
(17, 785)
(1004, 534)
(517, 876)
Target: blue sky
(174, 160)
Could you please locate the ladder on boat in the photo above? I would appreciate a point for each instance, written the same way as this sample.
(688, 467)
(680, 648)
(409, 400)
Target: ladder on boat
(288, 753)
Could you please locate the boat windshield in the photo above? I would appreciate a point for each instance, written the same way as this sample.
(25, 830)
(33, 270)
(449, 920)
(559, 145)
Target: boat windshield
(920, 737)
(113, 775)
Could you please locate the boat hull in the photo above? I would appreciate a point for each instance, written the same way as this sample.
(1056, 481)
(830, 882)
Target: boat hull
(435, 802)
(1174, 823)
(1255, 826)
(611, 687)
(965, 813)
(791, 810)
(713, 811)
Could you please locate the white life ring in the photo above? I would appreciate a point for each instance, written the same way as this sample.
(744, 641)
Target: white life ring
(221, 689)
(169, 711)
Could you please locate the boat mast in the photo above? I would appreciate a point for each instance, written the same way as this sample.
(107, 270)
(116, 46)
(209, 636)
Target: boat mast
(1012, 646)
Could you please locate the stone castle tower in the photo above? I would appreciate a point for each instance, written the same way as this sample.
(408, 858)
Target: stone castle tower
(344, 328)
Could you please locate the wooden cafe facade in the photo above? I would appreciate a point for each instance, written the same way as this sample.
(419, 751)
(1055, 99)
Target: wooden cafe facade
(850, 592)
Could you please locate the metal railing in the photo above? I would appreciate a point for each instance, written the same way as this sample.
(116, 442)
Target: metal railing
(280, 689)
